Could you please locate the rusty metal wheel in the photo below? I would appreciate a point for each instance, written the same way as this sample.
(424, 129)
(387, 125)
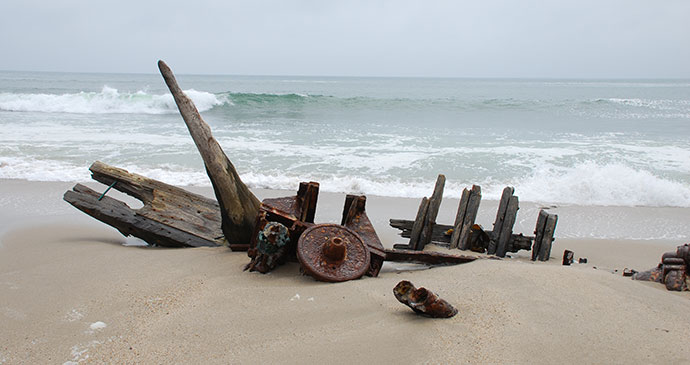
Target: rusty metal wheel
(333, 253)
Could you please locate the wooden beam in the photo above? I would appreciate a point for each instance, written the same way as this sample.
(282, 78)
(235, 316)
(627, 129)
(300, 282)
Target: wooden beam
(547, 240)
(427, 257)
(459, 218)
(418, 224)
(508, 191)
(539, 233)
(432, 213)
(239, 207)
(170, 217)
(507, 227)
(470, 216)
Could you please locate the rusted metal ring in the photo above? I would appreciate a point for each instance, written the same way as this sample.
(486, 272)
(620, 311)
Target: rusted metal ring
(333, 253)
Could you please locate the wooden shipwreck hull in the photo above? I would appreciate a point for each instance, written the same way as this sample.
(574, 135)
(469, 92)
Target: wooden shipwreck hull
(171, 216)
(174, 217)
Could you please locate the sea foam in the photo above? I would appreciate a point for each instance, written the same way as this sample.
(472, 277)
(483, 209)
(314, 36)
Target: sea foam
(586, 183)
(107, 101)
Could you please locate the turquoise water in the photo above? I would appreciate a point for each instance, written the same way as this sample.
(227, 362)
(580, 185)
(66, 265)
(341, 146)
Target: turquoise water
(580, 142)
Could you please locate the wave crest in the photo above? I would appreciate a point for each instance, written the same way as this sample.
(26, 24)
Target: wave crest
(107, 101)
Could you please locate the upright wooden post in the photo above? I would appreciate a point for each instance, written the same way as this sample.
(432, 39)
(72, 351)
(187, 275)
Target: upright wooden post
(539, 233)
(459, 218)
(507, 227)
(508, 191)
(470, 216)
(547, 240)
(418, 224)
(239, 207)
(432, 213)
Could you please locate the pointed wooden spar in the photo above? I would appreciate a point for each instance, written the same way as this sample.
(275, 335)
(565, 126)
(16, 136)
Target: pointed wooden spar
(239, 207)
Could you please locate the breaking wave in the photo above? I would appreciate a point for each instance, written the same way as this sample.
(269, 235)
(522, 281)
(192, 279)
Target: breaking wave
(107, 101)
(585, 184)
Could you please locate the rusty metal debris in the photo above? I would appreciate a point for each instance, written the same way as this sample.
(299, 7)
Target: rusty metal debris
(423, 301)
(295, 213)
(568, 257)
(332, 253)
(270, 247)
(355, 218)
(629, 272)
(671, 271)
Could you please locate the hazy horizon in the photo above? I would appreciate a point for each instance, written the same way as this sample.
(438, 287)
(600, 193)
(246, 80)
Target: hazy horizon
(494, 39)
(370, 76)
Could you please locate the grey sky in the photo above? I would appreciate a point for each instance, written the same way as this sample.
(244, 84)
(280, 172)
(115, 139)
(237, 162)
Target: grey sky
(600, 39)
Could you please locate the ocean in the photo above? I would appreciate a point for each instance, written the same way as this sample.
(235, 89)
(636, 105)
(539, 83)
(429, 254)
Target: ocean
(596, 143)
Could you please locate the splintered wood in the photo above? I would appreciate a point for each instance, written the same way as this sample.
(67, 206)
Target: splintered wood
(170, 216)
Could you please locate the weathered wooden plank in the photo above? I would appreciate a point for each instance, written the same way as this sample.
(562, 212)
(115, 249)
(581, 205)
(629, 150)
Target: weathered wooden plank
(507, 227)
(239, 207)
(427, 257)
(164, 203)
(459, 218)
(127, 220)
(470, 216)
(432, 213)
(308, 195)
(547, 240)
(539, 233)
(416, 233)
(508, 191)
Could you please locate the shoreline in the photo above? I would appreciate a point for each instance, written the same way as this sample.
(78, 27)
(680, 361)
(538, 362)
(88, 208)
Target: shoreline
(637, 223)
(70, 290)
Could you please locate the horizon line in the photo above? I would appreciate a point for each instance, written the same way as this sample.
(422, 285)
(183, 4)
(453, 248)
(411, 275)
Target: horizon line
(367, 76)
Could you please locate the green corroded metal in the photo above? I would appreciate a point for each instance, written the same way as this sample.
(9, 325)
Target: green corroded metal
(272, 238)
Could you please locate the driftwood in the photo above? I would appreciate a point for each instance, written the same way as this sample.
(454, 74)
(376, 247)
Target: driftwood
(170, 216)
(239, 207)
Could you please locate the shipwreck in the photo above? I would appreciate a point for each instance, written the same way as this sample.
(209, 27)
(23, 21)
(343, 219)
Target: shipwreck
(278, 230)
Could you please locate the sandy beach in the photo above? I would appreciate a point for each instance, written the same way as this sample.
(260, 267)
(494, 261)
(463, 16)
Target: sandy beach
(72, 290)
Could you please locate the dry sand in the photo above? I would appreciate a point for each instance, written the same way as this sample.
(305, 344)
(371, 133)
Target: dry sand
(70, 291)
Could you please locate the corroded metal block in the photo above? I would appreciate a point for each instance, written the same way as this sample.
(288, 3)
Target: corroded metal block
(423, 301)
(654, 274)
(675, 280)
(271, 243)
(333, 253)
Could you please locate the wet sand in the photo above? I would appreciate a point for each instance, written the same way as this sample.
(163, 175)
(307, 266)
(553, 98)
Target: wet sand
(70, 290)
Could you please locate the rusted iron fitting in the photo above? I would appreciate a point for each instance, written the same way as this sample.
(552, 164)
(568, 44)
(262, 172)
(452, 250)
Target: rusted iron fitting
(423, 301)
(271, 243)
(332, 253)
(671, 271)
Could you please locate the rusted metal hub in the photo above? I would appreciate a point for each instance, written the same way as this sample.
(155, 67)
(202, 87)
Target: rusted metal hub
(333, 253)
(334, 250)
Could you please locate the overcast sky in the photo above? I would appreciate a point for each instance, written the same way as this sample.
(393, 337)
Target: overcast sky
(511, 38)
